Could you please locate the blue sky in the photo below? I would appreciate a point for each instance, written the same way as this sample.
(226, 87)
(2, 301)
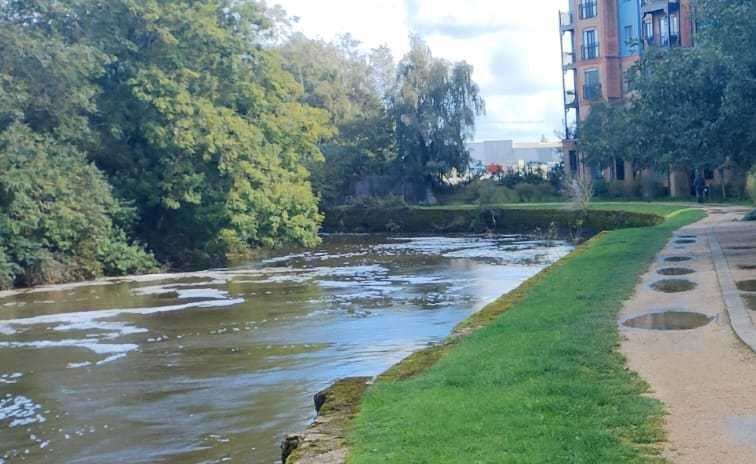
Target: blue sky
(513, 45)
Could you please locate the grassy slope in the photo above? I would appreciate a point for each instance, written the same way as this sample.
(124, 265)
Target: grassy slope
(542, 384)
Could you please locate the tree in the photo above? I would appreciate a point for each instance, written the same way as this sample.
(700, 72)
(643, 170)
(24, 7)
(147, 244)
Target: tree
(58, 218)
(198, 123)
(348, 83)
(434, 110)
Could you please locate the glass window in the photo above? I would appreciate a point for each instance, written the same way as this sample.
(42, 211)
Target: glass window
(674, 25)
(590, 44)
(588, 9)
(629, 35)
(648, 27)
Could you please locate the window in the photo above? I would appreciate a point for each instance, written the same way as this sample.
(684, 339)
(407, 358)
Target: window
(619, 169)
(629, 39)
(588, 9)
(674, 25)
(590, 44)
(573, 161)
(648, 30)
(592, 85)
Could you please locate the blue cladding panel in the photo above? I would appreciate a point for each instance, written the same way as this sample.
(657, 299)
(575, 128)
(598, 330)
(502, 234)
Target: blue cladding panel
(629, 19)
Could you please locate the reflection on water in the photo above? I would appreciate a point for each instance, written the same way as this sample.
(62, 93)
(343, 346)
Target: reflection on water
(216, 366)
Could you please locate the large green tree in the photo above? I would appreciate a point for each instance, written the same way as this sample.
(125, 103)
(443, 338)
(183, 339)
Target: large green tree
(354, 87)
(198, 124)
(434, 108)
(58, 218)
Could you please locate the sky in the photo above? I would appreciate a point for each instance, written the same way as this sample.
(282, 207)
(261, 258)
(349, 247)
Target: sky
(513, 46)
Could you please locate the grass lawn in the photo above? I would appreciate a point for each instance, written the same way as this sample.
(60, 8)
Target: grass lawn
(542, 383)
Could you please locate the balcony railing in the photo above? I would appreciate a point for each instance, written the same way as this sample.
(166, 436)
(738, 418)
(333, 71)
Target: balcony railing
(588, 9)
(650, 6)
(671, 41)
(570, 99)
(565, 20)
(568, 60)
(590, 51)
(592, 92)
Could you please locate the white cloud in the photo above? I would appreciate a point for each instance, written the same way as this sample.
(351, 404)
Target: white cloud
(513, 46)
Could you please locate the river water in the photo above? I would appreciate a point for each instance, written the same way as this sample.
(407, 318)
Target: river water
(216, 366)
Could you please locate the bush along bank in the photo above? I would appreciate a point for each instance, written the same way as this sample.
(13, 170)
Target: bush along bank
(566, 223)
(541, 381)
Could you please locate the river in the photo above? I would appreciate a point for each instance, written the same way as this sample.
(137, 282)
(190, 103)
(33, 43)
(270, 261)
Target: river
(217, 366)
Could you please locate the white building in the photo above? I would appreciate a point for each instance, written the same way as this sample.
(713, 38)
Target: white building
(516, 157)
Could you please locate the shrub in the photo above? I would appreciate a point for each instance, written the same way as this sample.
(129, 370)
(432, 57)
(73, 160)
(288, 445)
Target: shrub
(751, 184)
(580, 192)
(527, 192)
(57, 214)
(491, 194)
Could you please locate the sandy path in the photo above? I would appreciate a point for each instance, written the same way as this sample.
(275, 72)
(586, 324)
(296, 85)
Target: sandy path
(706, 377)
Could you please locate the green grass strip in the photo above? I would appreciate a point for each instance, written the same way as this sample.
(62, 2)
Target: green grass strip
(542, 383)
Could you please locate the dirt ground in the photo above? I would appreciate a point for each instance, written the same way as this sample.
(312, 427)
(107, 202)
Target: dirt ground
(706, 376)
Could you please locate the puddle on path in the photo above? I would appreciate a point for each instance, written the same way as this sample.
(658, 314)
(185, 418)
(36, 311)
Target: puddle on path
(750, 301)
(673, 285)
(741, 248)
(677, 259)
(687, 236)
(747, 267)
(668, 320)
(747, 285)
(685, 241)
(742, 428)
(675, 271)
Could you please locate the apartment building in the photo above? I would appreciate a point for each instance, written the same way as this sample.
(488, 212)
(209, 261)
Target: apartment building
(601, 40)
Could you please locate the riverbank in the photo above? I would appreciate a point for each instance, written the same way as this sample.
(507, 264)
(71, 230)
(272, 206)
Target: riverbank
(542, 383)
(548, 219)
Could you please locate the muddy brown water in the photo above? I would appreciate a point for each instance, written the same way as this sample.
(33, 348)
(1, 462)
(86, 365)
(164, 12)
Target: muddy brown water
(673, 285)
(217, 366)
(668, 320)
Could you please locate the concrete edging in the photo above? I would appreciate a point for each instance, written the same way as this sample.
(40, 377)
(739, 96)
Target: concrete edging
(739, 319)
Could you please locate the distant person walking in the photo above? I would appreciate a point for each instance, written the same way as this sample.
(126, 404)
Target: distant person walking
(699, 185)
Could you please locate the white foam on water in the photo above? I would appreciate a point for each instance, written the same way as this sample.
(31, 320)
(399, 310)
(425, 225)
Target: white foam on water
(110, 359)
(20, 410)
(79, 365)
(10, 379)
(96, 320)
(89, 344)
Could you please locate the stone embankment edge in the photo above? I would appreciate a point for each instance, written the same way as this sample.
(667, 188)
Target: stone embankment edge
(324, 441)
(739, 319)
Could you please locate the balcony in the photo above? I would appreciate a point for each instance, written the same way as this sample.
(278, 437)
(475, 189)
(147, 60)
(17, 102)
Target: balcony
(590, 51)
(568, 61)
(653, 6)
(570, 99)
(565, 21)
(592, 92)
(588, 9)
(671, 41)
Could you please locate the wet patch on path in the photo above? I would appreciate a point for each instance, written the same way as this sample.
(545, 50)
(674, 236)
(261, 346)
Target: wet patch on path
(668, 320)
(675, 271)
(747, 285)
(673, 285)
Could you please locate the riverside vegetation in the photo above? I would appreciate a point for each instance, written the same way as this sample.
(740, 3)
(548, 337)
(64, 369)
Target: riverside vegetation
(143, 134)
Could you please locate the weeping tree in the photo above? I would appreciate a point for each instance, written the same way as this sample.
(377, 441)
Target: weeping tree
(434, 109)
